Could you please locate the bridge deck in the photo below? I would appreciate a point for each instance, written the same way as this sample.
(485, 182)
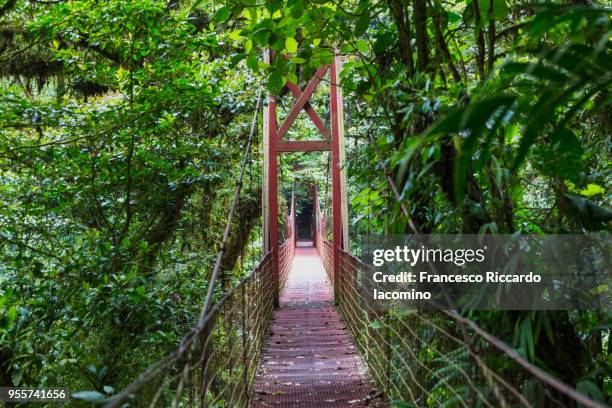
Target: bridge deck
(309, 359)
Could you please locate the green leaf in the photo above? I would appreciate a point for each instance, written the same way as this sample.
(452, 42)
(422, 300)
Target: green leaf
(540, 115)
(275, 82)
(592, 190)
(526, 338)
(362, 46)
(261, 36)
(453, 17)
(236, 35)
(291, 45)
(363, 22)
(500, 9)
(562, 156)
(536, 70)
(321, 56)
(473, 120)
(222, 14)
(297, 9)
(376, 324)
(590, 389)
(253, 62)
(17, 376)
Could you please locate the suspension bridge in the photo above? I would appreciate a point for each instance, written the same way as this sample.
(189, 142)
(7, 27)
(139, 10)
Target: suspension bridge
(298, 331)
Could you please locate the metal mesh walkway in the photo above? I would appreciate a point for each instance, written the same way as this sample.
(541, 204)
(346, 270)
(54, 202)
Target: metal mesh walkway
(309, 359)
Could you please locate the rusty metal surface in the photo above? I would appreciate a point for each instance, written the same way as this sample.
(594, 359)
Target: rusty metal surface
(309, 360)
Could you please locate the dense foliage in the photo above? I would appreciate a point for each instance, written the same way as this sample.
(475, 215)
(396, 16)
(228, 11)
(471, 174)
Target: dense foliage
(122, 124)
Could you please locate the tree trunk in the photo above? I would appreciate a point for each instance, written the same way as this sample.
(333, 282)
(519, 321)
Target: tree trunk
(480, 44)
(420, 26)
(399, 13)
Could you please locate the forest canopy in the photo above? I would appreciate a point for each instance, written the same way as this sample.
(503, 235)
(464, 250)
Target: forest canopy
(123, 124)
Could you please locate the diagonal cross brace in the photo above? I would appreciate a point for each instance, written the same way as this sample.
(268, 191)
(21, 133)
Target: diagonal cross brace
(297, 92)
(301, 103)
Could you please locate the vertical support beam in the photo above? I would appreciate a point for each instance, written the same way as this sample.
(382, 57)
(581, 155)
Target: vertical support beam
(272, 189)
(273, 196)
(336, 190)
(264, 172)
(342, 143)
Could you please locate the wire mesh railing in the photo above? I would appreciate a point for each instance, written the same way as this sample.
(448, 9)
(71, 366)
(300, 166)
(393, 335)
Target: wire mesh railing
(324, 247)
(215, 364)
(287, 250)
(327, 257)
(439, 358)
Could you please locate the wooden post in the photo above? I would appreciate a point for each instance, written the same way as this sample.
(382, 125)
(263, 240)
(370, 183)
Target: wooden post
(270, 135)
(337, 133)
(342, 144)
(265, 172)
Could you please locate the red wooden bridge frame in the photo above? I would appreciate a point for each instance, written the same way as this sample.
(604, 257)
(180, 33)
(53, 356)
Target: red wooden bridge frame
(333, 140)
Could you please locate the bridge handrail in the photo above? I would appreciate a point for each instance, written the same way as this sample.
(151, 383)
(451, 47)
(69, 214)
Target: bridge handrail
(440, 356)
